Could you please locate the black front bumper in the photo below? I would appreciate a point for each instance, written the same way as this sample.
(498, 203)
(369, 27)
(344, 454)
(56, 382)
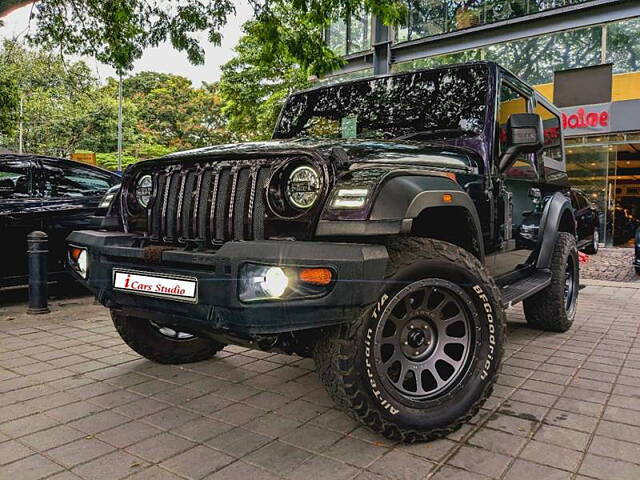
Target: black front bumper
(359, 272)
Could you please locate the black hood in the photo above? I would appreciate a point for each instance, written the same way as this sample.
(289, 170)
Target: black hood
(350, 151)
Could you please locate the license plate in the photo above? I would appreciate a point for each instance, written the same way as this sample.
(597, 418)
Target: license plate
(171, 287)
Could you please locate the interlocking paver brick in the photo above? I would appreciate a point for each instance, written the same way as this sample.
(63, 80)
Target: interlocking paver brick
(318, 468)
(197, 462)
(112, 466)
(79, 451)
(127, 434)
(356, 452)
(522, 469)
(12, 450)
(402, 466)
(482, 461)
(621, 450)
(238, 442)
(34, 467)
(278, 457)
(497, 441)
(608, 468)
(160, 447)
(551, 455)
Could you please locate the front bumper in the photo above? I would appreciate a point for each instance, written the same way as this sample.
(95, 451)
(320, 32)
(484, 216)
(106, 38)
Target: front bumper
(360, 270)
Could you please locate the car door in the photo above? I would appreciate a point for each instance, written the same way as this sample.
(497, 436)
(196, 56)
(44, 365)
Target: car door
(19, 215)
(582, 214)
(519, 190)
(71, 193)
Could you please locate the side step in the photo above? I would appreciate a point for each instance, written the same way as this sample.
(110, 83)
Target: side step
(518, 291)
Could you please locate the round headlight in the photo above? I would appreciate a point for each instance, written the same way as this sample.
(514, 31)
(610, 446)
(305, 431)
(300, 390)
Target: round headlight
(303, 187)
(143, 190)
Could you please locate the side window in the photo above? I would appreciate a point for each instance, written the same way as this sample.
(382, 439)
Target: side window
(582, 200)
(15, 180)
(511, 101)
(66, 180)
(552, 147)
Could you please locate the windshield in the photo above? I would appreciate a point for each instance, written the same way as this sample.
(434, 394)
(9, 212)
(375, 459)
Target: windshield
(441, 103)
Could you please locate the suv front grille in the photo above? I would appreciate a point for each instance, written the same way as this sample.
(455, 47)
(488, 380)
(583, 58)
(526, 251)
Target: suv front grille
(209, 204)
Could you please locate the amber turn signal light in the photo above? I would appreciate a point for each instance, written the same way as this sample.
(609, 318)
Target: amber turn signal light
(315, 276)
(75, 253)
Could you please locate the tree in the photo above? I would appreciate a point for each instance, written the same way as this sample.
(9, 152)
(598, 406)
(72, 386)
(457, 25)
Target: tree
(9, 104)
(255, 83)
(116, 32)
(62, 105)
(172, 113)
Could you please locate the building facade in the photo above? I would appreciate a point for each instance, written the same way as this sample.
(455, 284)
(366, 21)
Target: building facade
(535, 39)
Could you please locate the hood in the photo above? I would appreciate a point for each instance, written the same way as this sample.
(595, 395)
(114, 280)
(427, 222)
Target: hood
(351, 151)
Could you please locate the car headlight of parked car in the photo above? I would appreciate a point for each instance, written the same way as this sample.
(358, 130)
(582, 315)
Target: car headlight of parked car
(108, 197)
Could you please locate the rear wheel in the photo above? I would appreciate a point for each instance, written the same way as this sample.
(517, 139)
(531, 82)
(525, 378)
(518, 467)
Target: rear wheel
(162, 343)
(422, 361)
(554, 308)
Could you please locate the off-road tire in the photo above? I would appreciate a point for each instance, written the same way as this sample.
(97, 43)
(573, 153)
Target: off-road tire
(546, 309)
(145, 338)
(341, 353)
(592, 249)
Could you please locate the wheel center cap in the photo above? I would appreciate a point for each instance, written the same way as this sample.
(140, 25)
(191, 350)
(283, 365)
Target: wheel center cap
(416, 338)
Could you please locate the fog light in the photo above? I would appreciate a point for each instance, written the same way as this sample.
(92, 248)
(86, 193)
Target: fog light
(262, 282)
(275, 281)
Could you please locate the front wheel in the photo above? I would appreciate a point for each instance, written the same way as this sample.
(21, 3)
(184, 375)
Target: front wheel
(422, 361)
(163, 343)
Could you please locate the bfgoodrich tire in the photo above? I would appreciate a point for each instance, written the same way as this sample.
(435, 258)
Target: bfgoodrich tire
(554, 308)
(424, 358)
(163, 344)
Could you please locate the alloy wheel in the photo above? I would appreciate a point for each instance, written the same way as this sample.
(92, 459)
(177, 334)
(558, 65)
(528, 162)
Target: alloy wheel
(423, 339)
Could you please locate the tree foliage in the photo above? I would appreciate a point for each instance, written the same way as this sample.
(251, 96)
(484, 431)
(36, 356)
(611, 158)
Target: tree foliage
(61, 102)
(116, 32)
(255, 83)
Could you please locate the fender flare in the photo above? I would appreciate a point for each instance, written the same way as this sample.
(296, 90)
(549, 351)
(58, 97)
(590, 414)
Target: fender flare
(556, 209)
(405, 197)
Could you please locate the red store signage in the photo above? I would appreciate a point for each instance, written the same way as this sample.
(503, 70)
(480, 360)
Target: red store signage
(584, 120)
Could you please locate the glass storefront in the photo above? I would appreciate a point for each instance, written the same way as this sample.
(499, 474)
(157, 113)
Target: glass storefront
(433, 17)
(534, 59)
(607, 169)
(349, 37)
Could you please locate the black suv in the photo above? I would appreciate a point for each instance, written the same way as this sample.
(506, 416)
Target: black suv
(383, 231)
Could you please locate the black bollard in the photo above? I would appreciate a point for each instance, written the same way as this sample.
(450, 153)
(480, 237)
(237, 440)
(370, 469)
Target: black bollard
(38, 272)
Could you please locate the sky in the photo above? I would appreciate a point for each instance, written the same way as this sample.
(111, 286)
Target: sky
(163, 58)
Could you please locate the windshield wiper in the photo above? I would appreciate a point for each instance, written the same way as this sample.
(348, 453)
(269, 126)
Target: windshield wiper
(436, 133)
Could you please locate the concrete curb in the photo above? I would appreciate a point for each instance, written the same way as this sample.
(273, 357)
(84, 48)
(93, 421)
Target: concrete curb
(608, 283)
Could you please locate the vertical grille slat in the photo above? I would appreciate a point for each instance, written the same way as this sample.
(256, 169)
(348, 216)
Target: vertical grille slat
(209, 203)
(239, 213)
(222, 205)
(172, 207)
(259, 206)
(187, 206)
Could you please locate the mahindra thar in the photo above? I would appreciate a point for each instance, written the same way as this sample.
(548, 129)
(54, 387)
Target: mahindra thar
(383, 232)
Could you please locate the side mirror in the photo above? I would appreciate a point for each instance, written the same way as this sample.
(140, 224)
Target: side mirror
(525, 134)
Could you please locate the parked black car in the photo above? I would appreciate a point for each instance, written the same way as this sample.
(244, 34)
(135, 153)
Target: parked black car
(383, 232)
(54, 195)
(588, 222)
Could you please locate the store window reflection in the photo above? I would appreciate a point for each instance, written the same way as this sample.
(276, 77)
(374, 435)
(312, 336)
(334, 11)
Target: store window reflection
(607, 169)
(352, 36)
(426, 18)
(587, 168)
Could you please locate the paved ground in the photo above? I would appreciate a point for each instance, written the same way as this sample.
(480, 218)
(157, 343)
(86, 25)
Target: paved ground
(612, 264)
(75, 402)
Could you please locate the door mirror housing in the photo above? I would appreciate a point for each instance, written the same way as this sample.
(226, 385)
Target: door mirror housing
(525, 134)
